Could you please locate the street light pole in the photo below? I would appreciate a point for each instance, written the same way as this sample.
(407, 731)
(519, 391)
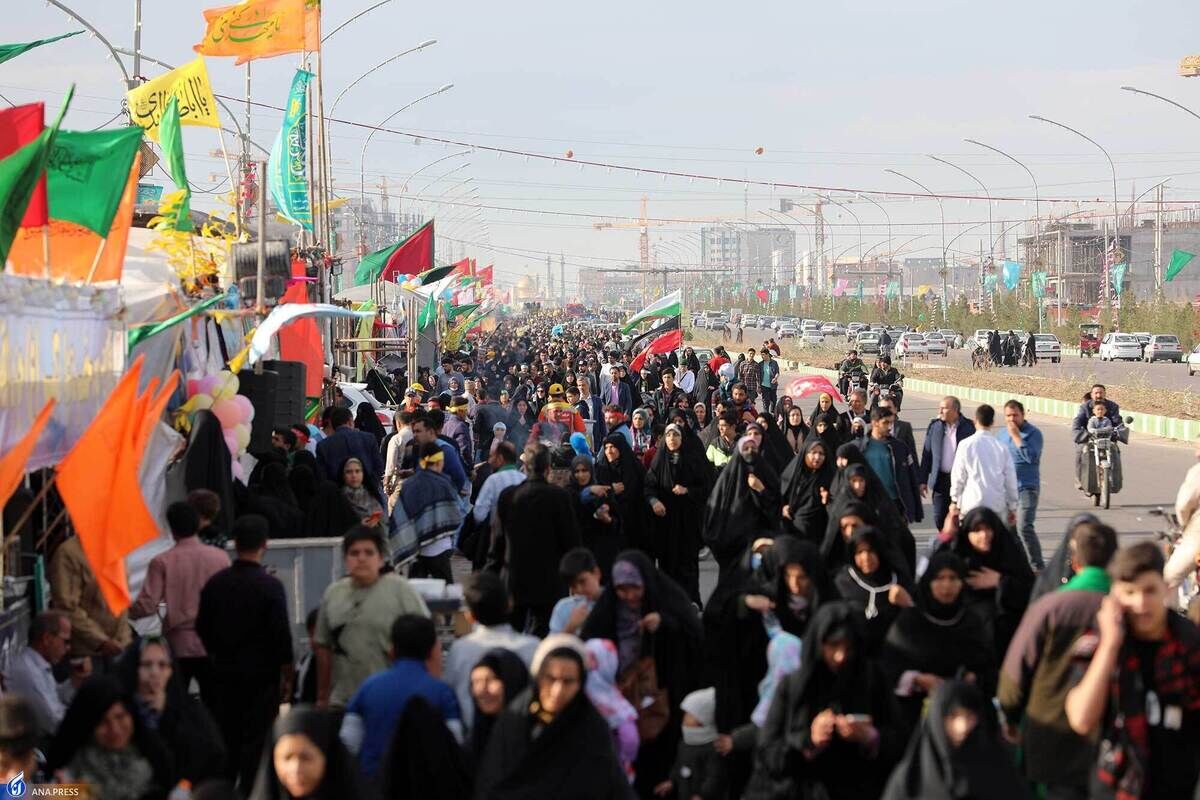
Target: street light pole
(1116, 210)
(942, 214)
(380, 65)
(991, 229)
(362, 159)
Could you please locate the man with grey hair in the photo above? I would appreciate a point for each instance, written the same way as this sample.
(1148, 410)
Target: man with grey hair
(942, 438)
(31, 674)
(857, 419)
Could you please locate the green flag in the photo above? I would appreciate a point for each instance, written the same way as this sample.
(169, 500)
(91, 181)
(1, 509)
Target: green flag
(87, 174)
(428, 314)
(434, 275)
(170, 135)
(8, 51)
(1038, 281)
(1179, 260)
(458, 311)
(19, 176)
(143, 332)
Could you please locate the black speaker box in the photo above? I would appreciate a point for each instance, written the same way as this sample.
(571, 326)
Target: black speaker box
(262, 390)
(289, 394)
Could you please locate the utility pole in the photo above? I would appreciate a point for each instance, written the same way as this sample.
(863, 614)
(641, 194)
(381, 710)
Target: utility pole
(1158, 237)
(549, 279)
(819, 243)
(562, 280)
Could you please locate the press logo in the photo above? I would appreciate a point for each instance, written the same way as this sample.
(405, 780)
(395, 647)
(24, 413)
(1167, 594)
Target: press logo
(16, 787)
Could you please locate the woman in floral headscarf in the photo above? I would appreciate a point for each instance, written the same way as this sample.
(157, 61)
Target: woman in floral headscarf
(618, 712)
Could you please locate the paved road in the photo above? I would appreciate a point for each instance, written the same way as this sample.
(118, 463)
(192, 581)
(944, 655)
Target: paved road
(1160, 374)
(1153, 470)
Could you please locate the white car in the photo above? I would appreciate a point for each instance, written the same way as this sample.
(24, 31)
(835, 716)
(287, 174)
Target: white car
(1046, 345)
(787, 331)
(911, 344)
(1193, 360)
(981, 337)
(812, 337)
(935, 344)
(1120, 347)
(1163, 347)
(357, 393)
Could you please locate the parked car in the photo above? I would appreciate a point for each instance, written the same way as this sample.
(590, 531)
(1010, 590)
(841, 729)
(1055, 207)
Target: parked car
(1193, 360)
(981, 337)
(854, 327)
(867, 343)
(787, 331)
(1120, 347)
(833, 329)
(935, 344)
(1046, 345)
(949, 335)
(911, 344)
(812, 337)
(357, 393)
(1163, 347)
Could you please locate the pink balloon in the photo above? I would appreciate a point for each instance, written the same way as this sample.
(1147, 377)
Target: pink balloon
(228, 413)
(230, 437)
(205, 385)
(245, 406)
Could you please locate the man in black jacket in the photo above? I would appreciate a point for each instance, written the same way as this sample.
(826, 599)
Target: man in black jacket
(893, 462)
(345, 442)
(942, 439)
(535, 526)
(487, 414)
(900, 429)
(243, 623)
(667, 395)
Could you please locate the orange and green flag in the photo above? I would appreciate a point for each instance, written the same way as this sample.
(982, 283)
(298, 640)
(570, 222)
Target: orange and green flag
(261, 29)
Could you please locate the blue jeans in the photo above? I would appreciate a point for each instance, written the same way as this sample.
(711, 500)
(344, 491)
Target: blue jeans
(1027, 503)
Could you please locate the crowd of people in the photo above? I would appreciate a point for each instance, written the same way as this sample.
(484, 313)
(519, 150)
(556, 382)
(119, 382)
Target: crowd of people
(574, 496)
(1006, 350)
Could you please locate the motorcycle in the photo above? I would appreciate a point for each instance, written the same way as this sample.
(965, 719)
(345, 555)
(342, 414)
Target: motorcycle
(854, 380)
(893, 392)
(1100, 474)
(1170, 537)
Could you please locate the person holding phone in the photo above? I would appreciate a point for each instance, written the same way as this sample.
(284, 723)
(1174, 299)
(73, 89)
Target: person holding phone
(830, 728)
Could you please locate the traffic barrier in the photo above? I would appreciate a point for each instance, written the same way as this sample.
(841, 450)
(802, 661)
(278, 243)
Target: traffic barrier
(1150, 424)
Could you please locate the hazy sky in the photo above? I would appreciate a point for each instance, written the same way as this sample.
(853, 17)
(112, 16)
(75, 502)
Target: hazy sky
(834, 93)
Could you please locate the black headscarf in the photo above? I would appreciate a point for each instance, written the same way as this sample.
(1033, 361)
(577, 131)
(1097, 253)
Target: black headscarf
(571, 756)
(304, 484)
(775, 447)
(207, 464)
(737, 515)
(365, 420)
(78, 728)
(832, 435)
(889, 518)
(686, 466)
(794, 617)
(513, 673)
(937, 638)
(979, 769)
(851, 584)
(423, 760)
(802, 492)
(321, 728)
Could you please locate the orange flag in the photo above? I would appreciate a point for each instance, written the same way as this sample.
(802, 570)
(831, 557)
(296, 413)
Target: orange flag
(12, 463)
(98, 483)
(74, 249)
(261, 29)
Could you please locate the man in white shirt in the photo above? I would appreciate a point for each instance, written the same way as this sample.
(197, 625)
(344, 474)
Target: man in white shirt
(504, 461)
(983, 473)
(31, 674)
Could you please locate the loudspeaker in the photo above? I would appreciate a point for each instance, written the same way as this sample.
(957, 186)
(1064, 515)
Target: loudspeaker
(276, 273)
(289, 393)
(261, 391)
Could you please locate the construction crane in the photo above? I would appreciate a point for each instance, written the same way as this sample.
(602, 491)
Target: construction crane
(643, 226)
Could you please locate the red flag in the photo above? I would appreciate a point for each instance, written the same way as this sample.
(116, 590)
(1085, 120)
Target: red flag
(762, 295)
(485, 275)
(462, 268)
(19, 126)
(413, 256)
(663, 344)
(301, 341)
(812, 384)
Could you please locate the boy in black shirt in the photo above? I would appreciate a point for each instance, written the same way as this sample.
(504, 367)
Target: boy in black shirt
(1142, 687)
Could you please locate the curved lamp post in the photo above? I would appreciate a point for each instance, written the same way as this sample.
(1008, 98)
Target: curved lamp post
(942, 214)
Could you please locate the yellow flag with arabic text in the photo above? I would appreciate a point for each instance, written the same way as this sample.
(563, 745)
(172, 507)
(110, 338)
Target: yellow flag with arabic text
(261, 29)
(189, 84)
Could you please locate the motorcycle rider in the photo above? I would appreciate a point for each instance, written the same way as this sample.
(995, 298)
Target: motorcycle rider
(1096, 395)
(884, 376)
(849, 364)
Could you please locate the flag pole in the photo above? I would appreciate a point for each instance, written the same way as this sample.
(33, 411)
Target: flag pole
(233, 187)
(46, 251)
(96, 260)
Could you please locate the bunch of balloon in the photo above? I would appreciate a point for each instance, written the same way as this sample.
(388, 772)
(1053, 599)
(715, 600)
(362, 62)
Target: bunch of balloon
(218, 394)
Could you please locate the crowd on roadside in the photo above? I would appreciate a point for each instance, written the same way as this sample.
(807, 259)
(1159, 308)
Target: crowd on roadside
(574, 489)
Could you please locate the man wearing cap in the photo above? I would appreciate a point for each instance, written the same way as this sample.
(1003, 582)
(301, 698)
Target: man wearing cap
(412, 399)
(558, 413)
(458, 430)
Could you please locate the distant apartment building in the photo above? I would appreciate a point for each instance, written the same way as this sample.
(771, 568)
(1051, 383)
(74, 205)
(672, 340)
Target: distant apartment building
(764, 255)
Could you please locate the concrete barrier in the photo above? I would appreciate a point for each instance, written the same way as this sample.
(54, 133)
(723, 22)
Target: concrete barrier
(1150, 424)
